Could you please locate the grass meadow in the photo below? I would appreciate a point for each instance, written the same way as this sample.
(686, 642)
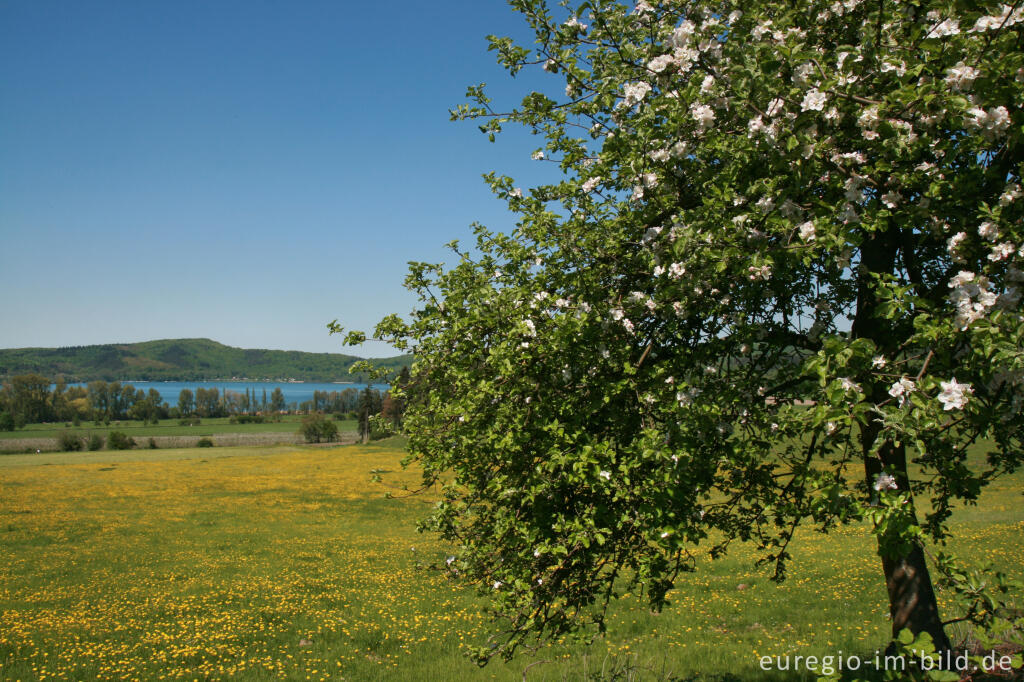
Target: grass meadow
(289, 563)
(165, 427)
(167, 433)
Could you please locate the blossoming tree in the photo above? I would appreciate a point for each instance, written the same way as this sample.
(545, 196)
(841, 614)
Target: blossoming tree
(777, 285)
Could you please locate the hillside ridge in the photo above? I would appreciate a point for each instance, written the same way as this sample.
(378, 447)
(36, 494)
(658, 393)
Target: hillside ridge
(183, 360)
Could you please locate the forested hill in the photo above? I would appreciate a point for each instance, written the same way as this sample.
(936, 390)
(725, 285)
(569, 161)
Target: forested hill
(181, 360)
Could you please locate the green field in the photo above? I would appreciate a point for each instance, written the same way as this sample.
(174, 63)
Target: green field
(166, 427)
(168, 433)
(289, 563)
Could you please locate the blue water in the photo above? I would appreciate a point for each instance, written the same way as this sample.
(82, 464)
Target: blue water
(293, 392)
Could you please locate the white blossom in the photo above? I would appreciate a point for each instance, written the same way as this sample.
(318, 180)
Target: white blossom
(755, 126)
(703, 115)
(868, 118)
(802, 74)
(660, 63)
(537, 155)
(961, 77)
(954, 395)
(992, 123)
(948, 27)
(988, 230)
(683, 33)
(606, 475)
(684, 58)
(1001, 251)
(635, 92)
(589, 184)
(1007, 17)
(574, 23)
(901, 389)
(961, 278)
(814, 100)
(972, 297)
(761, 29)
(685, 398)
(890, 199)
(516, 193)
(775, 107)
(1011, 194)
(807, 231)
(885, 482)
(879, 362)
(953, 243)
(849, 384)
(660, 155)
(849, 158)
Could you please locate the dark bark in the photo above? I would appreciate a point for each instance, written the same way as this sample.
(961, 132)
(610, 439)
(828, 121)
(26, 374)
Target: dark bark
(912, 602)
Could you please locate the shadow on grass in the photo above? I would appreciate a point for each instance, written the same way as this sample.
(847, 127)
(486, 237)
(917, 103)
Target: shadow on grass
(611, 668)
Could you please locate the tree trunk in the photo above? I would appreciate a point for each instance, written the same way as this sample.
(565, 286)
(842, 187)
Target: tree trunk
(912, 602)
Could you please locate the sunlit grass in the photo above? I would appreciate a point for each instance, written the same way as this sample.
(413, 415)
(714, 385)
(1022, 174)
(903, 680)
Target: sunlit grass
(271, 563)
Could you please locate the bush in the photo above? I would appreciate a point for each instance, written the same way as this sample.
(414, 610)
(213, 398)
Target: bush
(6, 421)
(204, 443)
(119, 441)
(152, 443)
(189, 421)
(69, 442)
(316, 429)
(96, 442)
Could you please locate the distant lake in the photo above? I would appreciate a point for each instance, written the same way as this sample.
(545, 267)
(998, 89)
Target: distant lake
(297, 392)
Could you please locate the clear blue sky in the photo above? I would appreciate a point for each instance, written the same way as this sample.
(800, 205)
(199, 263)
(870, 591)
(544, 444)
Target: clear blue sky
(241, 171)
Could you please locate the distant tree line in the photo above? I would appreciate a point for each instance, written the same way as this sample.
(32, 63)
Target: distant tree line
(29, 398)
(33, 398)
